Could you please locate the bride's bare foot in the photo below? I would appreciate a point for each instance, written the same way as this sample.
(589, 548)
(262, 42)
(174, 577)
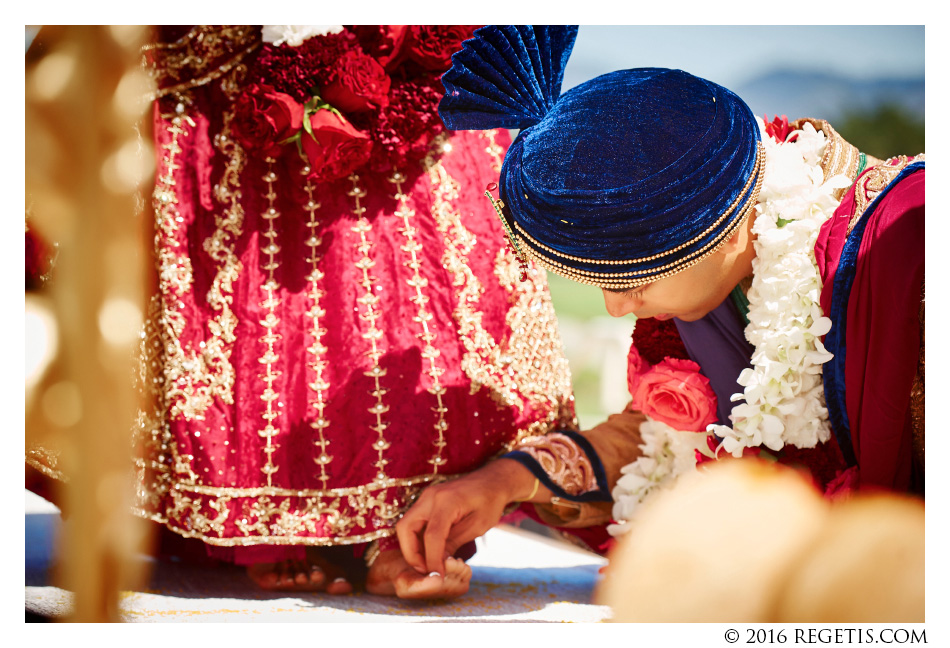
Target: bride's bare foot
(315, 574)
(391, 575)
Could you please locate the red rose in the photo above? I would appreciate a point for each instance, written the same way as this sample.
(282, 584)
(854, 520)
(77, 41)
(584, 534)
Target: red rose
(382, 42)
(336, 148)
(675, 393)
(432, 46)
(264, 117)
(356, 83)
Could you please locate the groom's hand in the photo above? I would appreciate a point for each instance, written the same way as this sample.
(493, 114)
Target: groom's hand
(449, 514)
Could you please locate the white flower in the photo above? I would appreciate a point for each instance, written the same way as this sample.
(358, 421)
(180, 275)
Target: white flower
(295, 35)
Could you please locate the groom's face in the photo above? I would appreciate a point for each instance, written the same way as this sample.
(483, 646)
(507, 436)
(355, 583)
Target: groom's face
(687, 295)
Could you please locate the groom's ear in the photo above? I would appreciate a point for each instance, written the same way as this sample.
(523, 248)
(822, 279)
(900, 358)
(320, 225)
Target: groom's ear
(741, 237)
(732, 243)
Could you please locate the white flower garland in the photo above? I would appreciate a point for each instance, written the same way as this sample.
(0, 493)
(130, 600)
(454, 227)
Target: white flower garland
(783, 398)
(666, 454)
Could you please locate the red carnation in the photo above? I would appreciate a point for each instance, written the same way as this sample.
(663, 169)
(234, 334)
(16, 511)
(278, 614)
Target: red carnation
(357, 83)
(657, 339)
(432, 46)
(264, 117)
(336, 148)
(296, 70)
(405, 129)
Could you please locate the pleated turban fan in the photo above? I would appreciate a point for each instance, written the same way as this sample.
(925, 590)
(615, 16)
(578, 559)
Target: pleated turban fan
(625, 179)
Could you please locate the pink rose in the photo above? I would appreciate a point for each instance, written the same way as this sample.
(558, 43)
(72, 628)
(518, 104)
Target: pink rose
(675, 393)
(336, 148)
(264, 117)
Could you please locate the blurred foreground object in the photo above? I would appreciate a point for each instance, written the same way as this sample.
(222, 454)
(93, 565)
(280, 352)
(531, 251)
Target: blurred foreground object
(753, 542)
(86, 97)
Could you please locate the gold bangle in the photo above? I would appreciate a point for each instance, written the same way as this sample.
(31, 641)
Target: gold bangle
(534, 491)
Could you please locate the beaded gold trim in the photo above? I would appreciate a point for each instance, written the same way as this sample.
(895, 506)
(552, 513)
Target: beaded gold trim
(423, 317)
(369, 301)
(623, 280)
(270, 323)
(317, 349)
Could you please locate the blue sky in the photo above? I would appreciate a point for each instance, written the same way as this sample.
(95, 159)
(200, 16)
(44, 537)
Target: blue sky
(732, 55)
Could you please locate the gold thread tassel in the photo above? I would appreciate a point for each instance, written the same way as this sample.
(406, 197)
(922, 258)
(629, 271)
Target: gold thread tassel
(498, 205)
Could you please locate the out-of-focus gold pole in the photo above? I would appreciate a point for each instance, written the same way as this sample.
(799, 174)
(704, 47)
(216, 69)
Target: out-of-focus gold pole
(88, 157)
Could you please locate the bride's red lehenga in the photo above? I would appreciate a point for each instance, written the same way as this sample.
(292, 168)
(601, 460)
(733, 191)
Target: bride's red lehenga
(326, 336)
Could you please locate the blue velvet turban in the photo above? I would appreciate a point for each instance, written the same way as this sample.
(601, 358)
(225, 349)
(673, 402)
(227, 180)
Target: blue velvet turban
(622, 180)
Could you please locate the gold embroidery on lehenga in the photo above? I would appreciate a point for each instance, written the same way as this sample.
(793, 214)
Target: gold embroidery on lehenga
(317, 349)
(459, 242)
(150, 433)
(536, 356)
(193, 377)
(281, 516)
(513, 369)
(423, 317)
(272, 515)
(202, 55)
(188, 380)
(369, 301)
(270, 323)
